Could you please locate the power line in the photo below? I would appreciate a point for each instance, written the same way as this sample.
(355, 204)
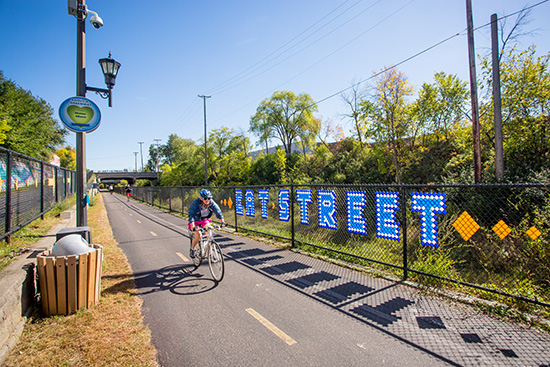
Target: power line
(286, 44)
(332, 53)
(299, 51)
(424, 51)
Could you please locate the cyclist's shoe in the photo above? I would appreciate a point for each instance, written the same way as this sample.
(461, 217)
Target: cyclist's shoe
(192, 254)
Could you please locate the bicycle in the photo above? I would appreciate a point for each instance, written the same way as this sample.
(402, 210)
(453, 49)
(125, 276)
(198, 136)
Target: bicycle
(208, 248)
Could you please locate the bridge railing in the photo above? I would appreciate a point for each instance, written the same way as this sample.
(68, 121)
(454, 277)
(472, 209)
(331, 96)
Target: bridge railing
(29, 188)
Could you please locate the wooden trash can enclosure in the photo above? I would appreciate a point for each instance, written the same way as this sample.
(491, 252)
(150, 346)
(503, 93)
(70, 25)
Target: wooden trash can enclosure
(69, 283)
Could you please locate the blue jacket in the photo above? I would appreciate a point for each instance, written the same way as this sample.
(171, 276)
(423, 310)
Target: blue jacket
(196, 208)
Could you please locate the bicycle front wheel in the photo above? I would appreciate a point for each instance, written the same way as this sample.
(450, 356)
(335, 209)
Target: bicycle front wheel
(215, 261)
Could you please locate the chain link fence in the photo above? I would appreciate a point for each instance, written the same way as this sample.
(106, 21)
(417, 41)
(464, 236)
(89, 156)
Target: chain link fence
(28, 189)
(492, 238)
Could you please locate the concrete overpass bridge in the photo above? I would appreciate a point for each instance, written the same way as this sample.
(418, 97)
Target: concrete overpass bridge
(114, 176)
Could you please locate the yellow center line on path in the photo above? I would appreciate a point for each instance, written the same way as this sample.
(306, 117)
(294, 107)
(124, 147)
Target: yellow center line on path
(131, 215)
(137, 220)
(153, 233)
(182, 257)
(274, 329)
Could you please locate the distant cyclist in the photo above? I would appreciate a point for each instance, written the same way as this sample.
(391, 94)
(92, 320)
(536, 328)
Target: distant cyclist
(111, 189)
(200, 212)
(128, 192)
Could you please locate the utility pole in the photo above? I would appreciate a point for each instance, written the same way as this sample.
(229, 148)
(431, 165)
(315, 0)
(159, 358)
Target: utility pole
(135, 161)
(473, 93)
(157, 159)
(141, 153)
(205, 159)
(497, 113)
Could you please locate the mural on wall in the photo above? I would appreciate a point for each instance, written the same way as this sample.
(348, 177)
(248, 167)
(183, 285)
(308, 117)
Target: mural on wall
(23, 174)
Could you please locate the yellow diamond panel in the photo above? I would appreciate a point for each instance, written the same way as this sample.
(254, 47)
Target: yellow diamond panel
(533, 232)
(502, 229)
(466, 226)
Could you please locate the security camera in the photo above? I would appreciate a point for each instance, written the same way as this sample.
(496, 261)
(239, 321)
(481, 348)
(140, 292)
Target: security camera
(95, 19)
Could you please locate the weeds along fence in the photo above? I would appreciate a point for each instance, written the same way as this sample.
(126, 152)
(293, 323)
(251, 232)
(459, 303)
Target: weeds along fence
(29, 188)
(482, 238)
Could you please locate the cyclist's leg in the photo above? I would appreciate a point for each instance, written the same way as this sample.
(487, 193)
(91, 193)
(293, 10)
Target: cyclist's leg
(196, 234)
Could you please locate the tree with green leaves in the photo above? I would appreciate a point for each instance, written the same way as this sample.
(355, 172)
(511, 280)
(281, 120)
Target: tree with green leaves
(175, 150)
(228, 162)
(67, 157)
(525, 98)
(285, 116)
(26, 122)
(440, 106)
(387, 114)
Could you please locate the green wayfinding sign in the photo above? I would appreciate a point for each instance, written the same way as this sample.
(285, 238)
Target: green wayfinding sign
(80, 114)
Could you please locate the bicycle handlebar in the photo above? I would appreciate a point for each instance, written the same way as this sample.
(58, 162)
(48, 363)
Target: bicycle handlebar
(211, 226)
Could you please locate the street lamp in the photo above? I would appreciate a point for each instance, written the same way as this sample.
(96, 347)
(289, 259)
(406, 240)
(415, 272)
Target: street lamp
(110, 67)
(78, 9)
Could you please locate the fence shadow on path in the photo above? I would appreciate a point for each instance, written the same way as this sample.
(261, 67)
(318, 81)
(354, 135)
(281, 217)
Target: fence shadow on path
(453, 333)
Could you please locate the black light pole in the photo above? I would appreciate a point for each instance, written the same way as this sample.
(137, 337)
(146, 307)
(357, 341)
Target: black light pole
(110, 67)
(81, 214)
(205, 158)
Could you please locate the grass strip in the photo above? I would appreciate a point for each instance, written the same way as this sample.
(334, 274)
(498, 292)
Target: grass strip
(110, 333)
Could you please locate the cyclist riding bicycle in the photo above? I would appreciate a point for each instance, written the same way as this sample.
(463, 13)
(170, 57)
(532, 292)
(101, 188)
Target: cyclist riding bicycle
(200, 211)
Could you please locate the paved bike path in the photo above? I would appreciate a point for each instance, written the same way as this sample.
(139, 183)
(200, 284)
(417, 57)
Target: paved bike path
(391, 323)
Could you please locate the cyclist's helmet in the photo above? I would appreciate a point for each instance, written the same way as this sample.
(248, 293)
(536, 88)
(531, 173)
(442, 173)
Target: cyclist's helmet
(205, 194)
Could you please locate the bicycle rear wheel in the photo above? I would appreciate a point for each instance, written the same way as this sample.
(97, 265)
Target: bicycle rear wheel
(197, 260)
(215, 262)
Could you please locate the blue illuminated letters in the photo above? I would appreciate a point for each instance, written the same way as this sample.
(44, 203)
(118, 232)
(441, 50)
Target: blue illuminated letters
(355, 201)
(284, 205)
(239, 202)
(387, 204)
(263, 197)
(304, 198)
(428, 204)
(327, 209)
(249, 199)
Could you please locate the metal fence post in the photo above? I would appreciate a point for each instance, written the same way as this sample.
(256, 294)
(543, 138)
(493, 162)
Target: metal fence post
(65, 182)
(404, 231)
(8, 195)
(42, 189)
(56, 196)
(235, 208)
(292, 214)
(182, 206)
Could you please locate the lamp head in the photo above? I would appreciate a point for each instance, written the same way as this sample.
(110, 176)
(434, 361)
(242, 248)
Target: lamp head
(110, 67)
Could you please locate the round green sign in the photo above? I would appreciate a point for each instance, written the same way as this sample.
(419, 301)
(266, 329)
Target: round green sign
(80, 114)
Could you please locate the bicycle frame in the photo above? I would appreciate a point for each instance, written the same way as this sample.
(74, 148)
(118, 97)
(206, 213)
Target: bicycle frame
(207, 248)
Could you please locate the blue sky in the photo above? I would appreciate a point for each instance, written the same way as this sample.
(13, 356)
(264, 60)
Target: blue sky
(239, 52)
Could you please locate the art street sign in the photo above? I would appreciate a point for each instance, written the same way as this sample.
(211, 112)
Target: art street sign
(80, 114)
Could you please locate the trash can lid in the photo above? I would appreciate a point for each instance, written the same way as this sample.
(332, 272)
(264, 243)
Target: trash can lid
(72, 244)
